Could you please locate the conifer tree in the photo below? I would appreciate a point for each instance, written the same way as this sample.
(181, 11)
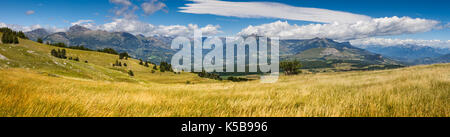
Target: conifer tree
(63, 54)
(16, 40)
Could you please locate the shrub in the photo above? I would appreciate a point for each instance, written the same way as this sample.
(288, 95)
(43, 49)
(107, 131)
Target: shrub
(290, 67)
(39, 40)
(130, 72)
(108, 50)
(123, 55)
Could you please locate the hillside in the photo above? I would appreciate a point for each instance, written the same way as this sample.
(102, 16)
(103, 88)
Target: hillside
(34, 83)
(36, 56)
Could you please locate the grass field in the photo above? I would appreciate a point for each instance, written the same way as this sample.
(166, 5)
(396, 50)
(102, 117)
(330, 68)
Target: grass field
(32, 83)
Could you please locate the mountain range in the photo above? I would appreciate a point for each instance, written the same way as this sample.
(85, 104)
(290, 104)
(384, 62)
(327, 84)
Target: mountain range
(411, 54)
(155, 49)
(322, 50)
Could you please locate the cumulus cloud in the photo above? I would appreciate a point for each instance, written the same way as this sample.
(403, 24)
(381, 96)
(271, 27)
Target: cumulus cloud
(20, 27)
(152, 6)
(400, 42)
(79, 22)
(344, 31)
(30, 12)
(270, 10)
(138, 27)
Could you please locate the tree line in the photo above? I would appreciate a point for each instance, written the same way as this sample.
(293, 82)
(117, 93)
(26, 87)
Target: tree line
(11, 37)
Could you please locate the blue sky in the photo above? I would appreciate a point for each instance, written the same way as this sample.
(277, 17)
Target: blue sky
(63, 13)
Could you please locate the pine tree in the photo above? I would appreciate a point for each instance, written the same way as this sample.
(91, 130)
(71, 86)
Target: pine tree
(140, 62)
(58, 53)
(146, 64)
(22, 35)
(16, 40)
(4, 38)
(54, 53)
(10, 38)
(63, 54)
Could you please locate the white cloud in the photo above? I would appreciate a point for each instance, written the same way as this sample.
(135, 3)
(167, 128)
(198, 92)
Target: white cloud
(152, 6)
(138, 27)
(270, 10)
(30, 12)
(399, 42)
(343, 31)
(20, 27)
(121, 2)
(79, 22)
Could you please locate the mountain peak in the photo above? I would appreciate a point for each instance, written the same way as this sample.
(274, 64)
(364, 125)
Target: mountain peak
(40, 30)
(78, 28)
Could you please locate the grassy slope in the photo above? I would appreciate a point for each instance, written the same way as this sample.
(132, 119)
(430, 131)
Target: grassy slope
(413, 91)
(32, 55)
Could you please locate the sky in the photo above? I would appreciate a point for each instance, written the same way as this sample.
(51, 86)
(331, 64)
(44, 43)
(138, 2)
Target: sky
(362, 22)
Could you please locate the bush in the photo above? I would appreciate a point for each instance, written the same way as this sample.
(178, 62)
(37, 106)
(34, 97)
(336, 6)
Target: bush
(59, 44)
(204, 74)
(123, 55)
(237, 79)
(39, 40)
(59, 53)
(108, 50)
(164, 66)
(290, 67)
(130, 72)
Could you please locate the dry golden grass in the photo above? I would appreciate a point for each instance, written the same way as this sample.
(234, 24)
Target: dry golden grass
(419, 91)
